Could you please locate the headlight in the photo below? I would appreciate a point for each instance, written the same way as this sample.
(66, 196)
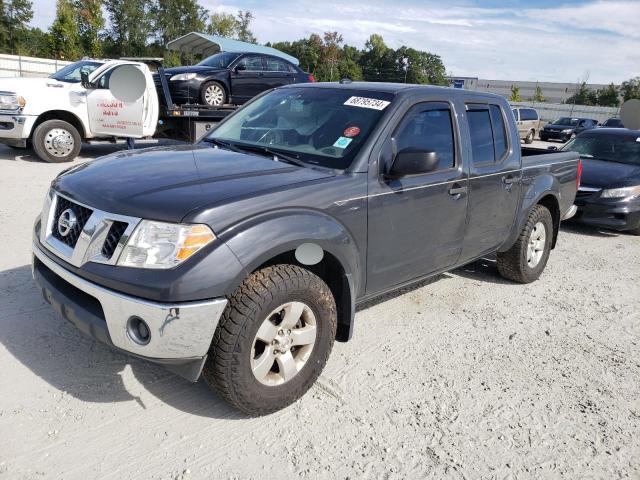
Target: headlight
(567, 130)
(11, 101)
(621, 192)
(183, 76)
(163, 245)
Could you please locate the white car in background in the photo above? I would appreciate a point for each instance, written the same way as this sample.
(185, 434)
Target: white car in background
(56, 114)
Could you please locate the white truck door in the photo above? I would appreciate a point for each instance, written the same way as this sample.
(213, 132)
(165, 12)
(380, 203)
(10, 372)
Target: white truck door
(110, 116)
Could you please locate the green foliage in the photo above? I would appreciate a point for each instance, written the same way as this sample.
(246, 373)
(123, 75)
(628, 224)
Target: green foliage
(243, 32)
(630, 89)
(64, 37)
(15, 16)
(129, 28)
(223, 25)
(174, 18)
(537, 95)
(609, 96)
(90, 23)
(515, 94)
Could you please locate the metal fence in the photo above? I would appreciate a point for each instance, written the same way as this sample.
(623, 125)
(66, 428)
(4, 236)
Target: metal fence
(21, 66)
(550, 111)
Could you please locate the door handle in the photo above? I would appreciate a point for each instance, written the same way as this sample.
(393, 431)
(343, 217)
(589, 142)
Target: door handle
(457, 190)
(509, 180)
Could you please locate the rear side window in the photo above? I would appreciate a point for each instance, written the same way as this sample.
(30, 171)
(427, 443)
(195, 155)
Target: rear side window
(488, 133)
(275, 65)
(428, 127)
(528, 114)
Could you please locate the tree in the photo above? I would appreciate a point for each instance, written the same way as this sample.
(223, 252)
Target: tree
(515, 94)
(174, 18)
(421, 67)
(608, 96)
(244, 33)
(223, 25)
(129, 27)
(90, 22)
(583, 96)
(630, 89)
(15, 16)
(377, 60)
(64, 37)
(537, 95)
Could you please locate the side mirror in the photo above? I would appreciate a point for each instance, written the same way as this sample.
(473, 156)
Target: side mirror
(552, 148)
(240, 67)
(413, 162)
(84, 79)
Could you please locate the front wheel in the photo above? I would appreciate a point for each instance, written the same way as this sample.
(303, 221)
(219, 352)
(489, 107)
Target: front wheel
(213, 94)
(529, 138)
(273, 339)
(56, 141)
(526, 259)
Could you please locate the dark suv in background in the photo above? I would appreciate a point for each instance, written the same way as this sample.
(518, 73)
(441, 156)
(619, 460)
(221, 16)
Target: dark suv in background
(230, 77)
(566, 127)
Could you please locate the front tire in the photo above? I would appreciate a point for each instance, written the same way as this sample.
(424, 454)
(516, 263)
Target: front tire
(273, 339)
(526, 259)
(529, 138)
(56, 141)
(213, 94)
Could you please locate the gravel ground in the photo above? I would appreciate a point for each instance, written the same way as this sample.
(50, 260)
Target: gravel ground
(464, 376)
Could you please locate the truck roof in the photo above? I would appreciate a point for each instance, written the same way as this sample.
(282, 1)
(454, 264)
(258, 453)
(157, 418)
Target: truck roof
(397, 88)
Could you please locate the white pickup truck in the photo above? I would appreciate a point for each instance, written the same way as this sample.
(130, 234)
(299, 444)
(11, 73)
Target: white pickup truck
(56, 114)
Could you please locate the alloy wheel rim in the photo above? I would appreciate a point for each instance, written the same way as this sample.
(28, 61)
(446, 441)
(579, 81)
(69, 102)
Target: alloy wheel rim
(214, 95)
(535, 247)
(283, 344)
(59, 142)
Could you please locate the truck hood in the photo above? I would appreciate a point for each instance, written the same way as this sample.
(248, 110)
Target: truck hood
(603, 174)
(166, 183)
(24, 85)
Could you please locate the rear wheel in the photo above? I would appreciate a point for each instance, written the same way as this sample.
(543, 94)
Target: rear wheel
(529, 138)
(526, 259)
(273, 339)
(213, 94)
(56, 141)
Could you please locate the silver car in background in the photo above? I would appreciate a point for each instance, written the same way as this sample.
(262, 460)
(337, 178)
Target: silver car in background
(528, 122)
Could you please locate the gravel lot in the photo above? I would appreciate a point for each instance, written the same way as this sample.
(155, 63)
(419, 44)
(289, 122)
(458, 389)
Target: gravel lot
(465, 376)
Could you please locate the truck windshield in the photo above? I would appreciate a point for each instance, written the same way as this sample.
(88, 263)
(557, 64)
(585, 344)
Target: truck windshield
(609, 148)
(319, 126)
(219, 60)
(566, 121)
(71, 73)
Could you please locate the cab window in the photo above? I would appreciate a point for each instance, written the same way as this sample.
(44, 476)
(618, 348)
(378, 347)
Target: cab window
(488, 133)
(252, 63)
(428, 127)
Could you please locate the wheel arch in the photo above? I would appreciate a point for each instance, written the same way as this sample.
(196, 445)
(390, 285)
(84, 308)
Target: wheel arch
(63, 115)
(268, 241)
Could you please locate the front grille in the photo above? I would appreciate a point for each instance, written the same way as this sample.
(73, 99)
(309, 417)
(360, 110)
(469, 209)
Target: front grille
(113, 237)
(81, 213)
(585, 194)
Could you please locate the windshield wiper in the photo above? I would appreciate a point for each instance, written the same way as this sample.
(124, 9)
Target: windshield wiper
(275, 154)
(220, 143)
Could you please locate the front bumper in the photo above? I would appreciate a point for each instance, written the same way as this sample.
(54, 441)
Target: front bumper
(180, 333)
(15, 129)
(554, 135)
(615, 216)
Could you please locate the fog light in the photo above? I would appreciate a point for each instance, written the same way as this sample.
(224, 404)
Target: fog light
(138, 330)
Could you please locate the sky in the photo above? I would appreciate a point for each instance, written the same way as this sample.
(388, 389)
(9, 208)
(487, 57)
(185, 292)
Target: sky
(535, 40)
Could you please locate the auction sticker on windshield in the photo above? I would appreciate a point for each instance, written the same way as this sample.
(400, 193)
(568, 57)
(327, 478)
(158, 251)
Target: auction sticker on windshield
(365, 102)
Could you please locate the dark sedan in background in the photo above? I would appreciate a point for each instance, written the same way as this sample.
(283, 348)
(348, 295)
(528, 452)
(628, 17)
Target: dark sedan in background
(566, 127)
(231, 78)
(609, 193)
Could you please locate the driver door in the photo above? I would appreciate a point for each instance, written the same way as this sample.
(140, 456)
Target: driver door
(109, 116)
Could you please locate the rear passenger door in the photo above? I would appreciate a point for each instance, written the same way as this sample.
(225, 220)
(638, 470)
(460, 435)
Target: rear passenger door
(247, 78)
(277, 73)
(494, 181)
(416, 222)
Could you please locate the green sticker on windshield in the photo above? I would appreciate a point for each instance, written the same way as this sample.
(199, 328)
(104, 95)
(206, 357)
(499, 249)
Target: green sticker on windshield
(343, 142)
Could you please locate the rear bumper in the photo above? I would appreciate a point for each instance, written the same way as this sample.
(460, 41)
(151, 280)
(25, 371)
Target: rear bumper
(180, 333)
(616, 216)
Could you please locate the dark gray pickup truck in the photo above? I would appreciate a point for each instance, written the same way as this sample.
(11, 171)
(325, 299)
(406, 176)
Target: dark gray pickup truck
(242, 258)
